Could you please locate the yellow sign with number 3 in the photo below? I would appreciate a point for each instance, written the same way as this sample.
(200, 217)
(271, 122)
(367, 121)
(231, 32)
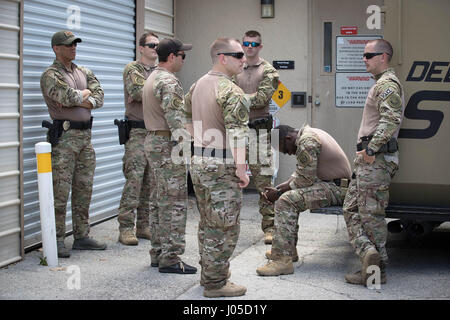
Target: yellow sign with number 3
(281, 95)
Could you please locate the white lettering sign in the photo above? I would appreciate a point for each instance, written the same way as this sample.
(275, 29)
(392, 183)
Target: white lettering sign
(352, 88)
(349, 52)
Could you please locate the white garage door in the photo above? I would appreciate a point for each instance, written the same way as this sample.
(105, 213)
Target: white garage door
(10, 204)
(107, 28)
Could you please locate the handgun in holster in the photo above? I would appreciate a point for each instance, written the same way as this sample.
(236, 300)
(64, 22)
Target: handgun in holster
(123, 129)
(55, 130)
(390, 147)
(261, 123)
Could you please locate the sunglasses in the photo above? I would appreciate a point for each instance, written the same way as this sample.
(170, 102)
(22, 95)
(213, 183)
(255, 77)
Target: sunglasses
(252, 44)
(183, 55)
(74, 44)
(237, 55)
(370, 55)
(151, 45)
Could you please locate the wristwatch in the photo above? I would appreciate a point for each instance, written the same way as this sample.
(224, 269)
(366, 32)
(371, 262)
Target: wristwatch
(370, 152)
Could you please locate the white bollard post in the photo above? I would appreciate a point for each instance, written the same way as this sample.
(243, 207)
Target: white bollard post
(46, 204)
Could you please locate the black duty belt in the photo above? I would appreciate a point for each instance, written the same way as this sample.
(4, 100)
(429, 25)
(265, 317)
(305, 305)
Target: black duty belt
(70, 124)
(390, 147)
(137, 124)
(210, 152)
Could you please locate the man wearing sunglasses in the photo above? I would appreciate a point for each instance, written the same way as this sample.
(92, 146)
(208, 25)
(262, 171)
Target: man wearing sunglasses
(71, 92)
(219, 111)
(164, 114)
(260, 79)
(136, 191)
(375, 164)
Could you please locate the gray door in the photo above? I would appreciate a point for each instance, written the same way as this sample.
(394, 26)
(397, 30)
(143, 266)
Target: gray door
(107, 28)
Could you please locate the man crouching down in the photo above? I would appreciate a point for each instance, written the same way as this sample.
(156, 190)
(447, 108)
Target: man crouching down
(320, 178)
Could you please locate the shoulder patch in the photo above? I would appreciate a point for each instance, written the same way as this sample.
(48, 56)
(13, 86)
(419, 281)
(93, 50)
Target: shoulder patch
(241, 113)
(177, 103)
(395, 101)
(386, 93)
(304, 158)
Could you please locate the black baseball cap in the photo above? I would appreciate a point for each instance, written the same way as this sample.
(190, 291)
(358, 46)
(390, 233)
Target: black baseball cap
(170, 45)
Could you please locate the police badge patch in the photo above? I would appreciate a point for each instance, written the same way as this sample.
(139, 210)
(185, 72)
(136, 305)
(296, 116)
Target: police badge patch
(386, 93)
(395, 101)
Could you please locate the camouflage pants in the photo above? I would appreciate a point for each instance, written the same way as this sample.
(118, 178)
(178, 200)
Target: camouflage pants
(260, 161)
(292, 203)
(219, 201)
(73, 166)
(365, 202)
(136, 191)
(168, 197)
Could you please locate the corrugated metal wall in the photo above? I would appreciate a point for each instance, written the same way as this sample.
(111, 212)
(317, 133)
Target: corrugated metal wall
(159, 17)
(10, 204)
(107, 30)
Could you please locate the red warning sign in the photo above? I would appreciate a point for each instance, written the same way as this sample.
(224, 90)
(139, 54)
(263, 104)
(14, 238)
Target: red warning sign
(349, 30)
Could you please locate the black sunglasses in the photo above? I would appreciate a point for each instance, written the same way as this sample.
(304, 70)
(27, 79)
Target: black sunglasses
(73, 44)
(253, 44)
(237, 55)
(183, 55)
(151, 45)
(370, 55)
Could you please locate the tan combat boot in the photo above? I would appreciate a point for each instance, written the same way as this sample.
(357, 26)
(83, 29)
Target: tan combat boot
(282, 265)
(228, 290)
(371, 258)
(128, 238)
(268, 237)
(356, 278)
(202, 282)
(294, 256)
(143, 233)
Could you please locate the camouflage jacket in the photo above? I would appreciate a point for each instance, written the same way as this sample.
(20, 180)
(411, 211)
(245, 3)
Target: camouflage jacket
(267, 82)
(389, 93)
(167, 88)
(134, 76)
(235, 106)
(266, 87)
(308, 151)
(55, 87)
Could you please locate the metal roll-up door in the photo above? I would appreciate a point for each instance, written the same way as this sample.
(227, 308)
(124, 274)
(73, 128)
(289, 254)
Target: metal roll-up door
(159, 17)
(10, 204)
(107, 28)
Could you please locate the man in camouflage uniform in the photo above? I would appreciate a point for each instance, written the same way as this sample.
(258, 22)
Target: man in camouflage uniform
(165, 117)
(259, 79)
(318, 181)
(218, 169)
(71, 92)
(375, 164)
(136, 191)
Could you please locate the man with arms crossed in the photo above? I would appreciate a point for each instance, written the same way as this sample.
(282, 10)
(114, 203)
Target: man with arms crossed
(71, 92)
